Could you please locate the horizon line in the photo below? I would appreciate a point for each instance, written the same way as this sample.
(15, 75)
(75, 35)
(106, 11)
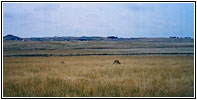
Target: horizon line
(103, 36)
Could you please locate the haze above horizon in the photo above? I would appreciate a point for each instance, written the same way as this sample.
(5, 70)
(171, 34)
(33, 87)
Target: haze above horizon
(99, 19)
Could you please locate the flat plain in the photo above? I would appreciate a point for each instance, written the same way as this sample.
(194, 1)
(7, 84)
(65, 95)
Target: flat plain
(148, 68)
(97, 76)
(141, 46)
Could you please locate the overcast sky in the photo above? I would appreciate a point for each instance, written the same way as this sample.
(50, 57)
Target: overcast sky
(99, 19)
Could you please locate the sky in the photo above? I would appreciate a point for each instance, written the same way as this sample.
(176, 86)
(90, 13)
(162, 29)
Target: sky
(98, 19)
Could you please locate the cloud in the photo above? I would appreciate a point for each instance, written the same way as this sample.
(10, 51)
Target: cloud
(98, 19)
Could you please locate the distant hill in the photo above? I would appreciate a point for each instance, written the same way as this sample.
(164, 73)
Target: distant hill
(96, 38)
(12, 37)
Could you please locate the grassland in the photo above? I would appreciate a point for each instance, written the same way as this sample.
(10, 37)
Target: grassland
(165, 68)
(156, 46)
(97, 76)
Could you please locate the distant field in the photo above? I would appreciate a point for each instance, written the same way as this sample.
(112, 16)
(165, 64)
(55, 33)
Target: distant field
(147, 46)
(97, 76)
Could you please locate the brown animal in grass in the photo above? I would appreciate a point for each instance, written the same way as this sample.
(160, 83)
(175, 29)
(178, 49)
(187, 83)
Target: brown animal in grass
(116, 62)
(62, 62)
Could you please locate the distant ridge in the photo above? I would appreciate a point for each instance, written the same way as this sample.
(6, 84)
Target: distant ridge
(93, 38)
(12, 37)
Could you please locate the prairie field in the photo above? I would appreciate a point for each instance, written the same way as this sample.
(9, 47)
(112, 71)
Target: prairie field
(97, 76)
(101, 49)
(145, 46)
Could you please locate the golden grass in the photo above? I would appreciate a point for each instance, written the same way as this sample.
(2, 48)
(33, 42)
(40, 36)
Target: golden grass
(97, 76)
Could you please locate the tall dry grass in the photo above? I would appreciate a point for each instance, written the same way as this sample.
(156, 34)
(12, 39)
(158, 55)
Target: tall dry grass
(97, 76)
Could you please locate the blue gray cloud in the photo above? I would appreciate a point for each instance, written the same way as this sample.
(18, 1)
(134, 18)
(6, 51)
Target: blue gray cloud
(98, 19)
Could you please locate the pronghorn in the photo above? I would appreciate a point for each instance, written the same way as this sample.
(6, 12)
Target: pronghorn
(116, 62)
(62, 62)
